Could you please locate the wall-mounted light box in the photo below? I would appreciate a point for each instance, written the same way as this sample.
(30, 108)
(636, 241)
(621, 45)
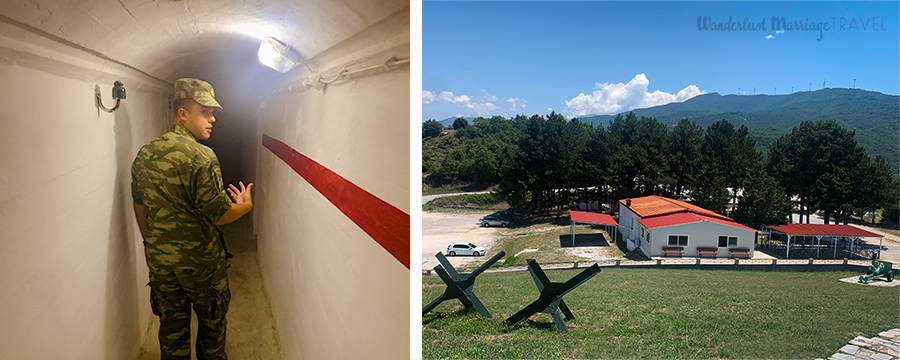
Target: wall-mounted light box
(278, 55)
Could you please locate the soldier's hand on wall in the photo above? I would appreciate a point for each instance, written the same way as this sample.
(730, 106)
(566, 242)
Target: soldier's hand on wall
(240, 196)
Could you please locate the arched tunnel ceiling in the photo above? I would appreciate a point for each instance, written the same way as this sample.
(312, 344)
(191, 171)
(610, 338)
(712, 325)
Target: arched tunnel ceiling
(170, 38)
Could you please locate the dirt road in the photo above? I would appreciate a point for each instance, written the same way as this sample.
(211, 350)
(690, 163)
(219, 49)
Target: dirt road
(890, 245)
(441, 229)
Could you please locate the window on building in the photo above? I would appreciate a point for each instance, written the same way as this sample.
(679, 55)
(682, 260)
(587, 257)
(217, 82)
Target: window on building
(728, 241)
(642, 231)
(678, 240)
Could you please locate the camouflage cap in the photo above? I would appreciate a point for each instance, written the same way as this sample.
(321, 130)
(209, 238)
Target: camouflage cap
(199, 90)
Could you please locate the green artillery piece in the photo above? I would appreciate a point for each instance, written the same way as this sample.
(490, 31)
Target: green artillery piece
(877, 270)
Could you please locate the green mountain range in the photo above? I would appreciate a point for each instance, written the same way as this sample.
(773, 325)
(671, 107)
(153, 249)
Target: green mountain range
(873, 115)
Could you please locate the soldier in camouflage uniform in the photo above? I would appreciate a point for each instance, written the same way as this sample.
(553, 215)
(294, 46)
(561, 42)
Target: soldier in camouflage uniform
(179, 202)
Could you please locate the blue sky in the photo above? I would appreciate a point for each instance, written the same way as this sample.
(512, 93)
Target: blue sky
(579, 58)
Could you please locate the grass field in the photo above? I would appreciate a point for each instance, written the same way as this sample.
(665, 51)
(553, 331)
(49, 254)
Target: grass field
(894, 232)
(457, 188)
(487, 201)
(672, 314)
(451, 210)
(550, 239)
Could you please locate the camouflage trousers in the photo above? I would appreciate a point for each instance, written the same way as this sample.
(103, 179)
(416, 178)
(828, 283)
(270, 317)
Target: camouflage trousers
(172, 293)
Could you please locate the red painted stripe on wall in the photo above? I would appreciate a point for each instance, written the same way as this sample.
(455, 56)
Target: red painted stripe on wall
(386, 224)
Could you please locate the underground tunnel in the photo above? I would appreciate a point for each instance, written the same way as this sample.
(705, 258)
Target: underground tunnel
(323, 255)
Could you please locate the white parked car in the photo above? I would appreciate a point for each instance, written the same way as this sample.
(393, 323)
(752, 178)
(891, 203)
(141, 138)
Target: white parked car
(465, 249)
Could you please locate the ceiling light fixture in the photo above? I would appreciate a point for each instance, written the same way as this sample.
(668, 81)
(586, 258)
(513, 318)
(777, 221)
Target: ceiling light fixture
(278, 55)
(256, 30)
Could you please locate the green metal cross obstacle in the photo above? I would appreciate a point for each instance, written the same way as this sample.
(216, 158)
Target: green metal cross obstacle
(550, 301)
(459, 286)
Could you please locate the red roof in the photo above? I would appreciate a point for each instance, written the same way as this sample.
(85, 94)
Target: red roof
(822, 229)
(649, 206)
(686, 218)
(592, 218)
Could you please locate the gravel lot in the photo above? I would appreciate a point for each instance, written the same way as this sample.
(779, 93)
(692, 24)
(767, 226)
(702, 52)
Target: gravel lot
(440, 229)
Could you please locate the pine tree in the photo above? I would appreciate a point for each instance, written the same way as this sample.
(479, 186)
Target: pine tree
(684, 147)
(763, 202)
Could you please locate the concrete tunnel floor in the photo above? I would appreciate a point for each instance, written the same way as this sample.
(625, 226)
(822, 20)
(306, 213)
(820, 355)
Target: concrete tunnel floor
(251, 328)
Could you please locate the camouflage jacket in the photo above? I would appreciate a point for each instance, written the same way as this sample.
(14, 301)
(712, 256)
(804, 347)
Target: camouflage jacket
(180, 183)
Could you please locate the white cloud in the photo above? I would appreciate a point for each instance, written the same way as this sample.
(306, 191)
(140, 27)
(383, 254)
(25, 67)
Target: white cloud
(517, 104)
(475, 108)
(484, 109)
(487, 97)
(769, 37)
(610, 98)
(780, 32)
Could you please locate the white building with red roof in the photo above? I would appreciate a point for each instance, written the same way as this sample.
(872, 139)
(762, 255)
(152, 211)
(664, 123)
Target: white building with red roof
(661, 226)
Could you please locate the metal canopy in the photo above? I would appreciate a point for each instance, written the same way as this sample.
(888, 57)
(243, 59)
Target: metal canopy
(581, 217)
(592, 218)
(820, 231)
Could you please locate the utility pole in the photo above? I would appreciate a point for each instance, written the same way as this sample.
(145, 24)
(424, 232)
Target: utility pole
(810, 86)
(823, 83)
(792, 89)
(754, 90)
(776, 91)
(854, 83)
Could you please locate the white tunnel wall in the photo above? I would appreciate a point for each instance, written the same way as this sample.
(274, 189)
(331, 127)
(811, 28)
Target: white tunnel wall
(72, 271)
(335, 292)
